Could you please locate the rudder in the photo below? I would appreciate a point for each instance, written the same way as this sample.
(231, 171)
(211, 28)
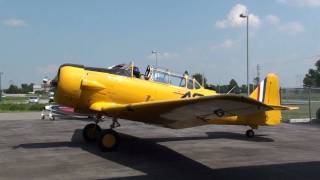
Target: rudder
(268, 91)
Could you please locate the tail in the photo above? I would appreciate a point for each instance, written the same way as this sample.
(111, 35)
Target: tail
(268, 92)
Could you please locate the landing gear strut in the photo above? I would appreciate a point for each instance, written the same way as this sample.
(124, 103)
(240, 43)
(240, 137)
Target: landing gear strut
(250, 133)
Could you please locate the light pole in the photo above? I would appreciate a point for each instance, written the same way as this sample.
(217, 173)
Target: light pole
(1, 73)
(247, 18)
(156, 54)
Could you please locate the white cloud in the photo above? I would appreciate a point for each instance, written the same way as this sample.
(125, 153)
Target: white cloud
(303, 3)
(15, 23)
(273, 19)
(47, 69)
(292, 28)
(233, 18)
(228, 43)
(289, 27)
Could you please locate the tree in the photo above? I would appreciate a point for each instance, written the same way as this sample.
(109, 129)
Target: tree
(13, 89)
(199, 77)
(312, 78)
(233, 84)
(25, 88)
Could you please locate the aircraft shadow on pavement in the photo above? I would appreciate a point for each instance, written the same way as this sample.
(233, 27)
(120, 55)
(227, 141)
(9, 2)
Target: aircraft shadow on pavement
(157, 161)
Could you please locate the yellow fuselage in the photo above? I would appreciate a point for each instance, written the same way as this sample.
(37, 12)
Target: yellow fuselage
(80, 87)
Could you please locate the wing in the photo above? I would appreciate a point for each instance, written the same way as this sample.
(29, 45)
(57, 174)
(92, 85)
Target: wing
(193, 110)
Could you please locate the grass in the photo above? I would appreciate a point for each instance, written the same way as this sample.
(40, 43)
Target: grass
(13, 107)
(302, 112)
(15, 100)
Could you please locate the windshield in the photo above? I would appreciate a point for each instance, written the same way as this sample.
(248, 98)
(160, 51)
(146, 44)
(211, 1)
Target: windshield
(160, 76)
(177, 81)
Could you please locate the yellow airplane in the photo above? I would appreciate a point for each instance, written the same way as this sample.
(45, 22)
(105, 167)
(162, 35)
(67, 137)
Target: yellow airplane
(159, 97)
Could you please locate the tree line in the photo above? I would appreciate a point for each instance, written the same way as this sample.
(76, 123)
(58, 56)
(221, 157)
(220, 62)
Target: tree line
(23, 89)
(232, 86)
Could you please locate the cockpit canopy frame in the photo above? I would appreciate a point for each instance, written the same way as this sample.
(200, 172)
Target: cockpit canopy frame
(172, 78)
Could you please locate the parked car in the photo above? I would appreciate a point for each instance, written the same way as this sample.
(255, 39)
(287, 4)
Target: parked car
(33, 99)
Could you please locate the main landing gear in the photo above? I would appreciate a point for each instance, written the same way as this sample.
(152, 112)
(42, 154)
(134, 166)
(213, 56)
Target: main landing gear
(250, 133)
(107, 139)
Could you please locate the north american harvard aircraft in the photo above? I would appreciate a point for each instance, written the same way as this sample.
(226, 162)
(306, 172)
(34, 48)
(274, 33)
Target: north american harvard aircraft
(159, 97)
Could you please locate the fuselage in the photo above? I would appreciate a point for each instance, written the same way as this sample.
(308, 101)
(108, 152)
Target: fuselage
(80, 86)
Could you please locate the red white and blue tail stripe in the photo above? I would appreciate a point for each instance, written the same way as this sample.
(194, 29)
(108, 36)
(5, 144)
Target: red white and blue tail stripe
(261, 90)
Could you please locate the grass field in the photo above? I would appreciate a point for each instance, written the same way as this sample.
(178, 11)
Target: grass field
(13, 107)
(14, 100)
(302, 112)
(18, 104)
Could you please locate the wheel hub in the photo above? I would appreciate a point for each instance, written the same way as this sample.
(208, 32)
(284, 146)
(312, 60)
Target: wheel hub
(109, 140)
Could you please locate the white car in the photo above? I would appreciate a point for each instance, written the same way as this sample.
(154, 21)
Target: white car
(33, 100)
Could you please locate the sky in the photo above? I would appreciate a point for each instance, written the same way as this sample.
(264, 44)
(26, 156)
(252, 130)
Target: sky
(205, 36)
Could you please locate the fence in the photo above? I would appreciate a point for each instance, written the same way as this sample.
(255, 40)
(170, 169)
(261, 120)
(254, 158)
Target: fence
(307, 99)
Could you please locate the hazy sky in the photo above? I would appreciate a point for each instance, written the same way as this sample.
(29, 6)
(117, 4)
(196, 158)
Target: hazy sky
(36, 36)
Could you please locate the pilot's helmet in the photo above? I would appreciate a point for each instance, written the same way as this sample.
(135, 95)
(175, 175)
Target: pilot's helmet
(136, 72)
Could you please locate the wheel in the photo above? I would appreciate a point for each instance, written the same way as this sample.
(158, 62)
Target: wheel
(250, 133)
(108, 140)
(90, 132)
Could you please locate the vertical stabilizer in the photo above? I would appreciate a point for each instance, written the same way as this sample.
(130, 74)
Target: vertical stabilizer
(268, 91)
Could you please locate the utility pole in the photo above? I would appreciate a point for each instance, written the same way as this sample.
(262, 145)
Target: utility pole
(258, 73)
(1, 73)
(247, 18)
(156, 54)
(202, 80)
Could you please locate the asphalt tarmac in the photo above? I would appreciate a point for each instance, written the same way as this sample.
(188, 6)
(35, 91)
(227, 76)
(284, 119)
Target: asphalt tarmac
(31, 148)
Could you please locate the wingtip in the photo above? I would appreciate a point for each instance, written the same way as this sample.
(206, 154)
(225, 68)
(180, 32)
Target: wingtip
(284, 108)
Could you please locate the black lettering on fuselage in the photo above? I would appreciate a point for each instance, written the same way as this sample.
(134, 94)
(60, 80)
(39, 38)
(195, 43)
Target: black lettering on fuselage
(188, 95)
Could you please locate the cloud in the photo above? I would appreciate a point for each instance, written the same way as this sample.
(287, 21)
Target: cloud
(226, 44)
(15, 23)
(234, 20)
(164, 55)
(292, 28)
(289, 27)
(302, 3)
(273, 19)
(47, 69)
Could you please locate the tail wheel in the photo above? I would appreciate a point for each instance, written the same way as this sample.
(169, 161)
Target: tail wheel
(250, 133)
(108, 140)
(91, 132)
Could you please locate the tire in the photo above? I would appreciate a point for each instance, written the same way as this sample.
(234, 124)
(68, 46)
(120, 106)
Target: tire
(108, 140)
(250, 133)
(90, 132)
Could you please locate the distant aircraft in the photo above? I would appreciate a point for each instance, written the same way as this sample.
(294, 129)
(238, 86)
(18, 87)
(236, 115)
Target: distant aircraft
(159, 97)
(52, 111)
